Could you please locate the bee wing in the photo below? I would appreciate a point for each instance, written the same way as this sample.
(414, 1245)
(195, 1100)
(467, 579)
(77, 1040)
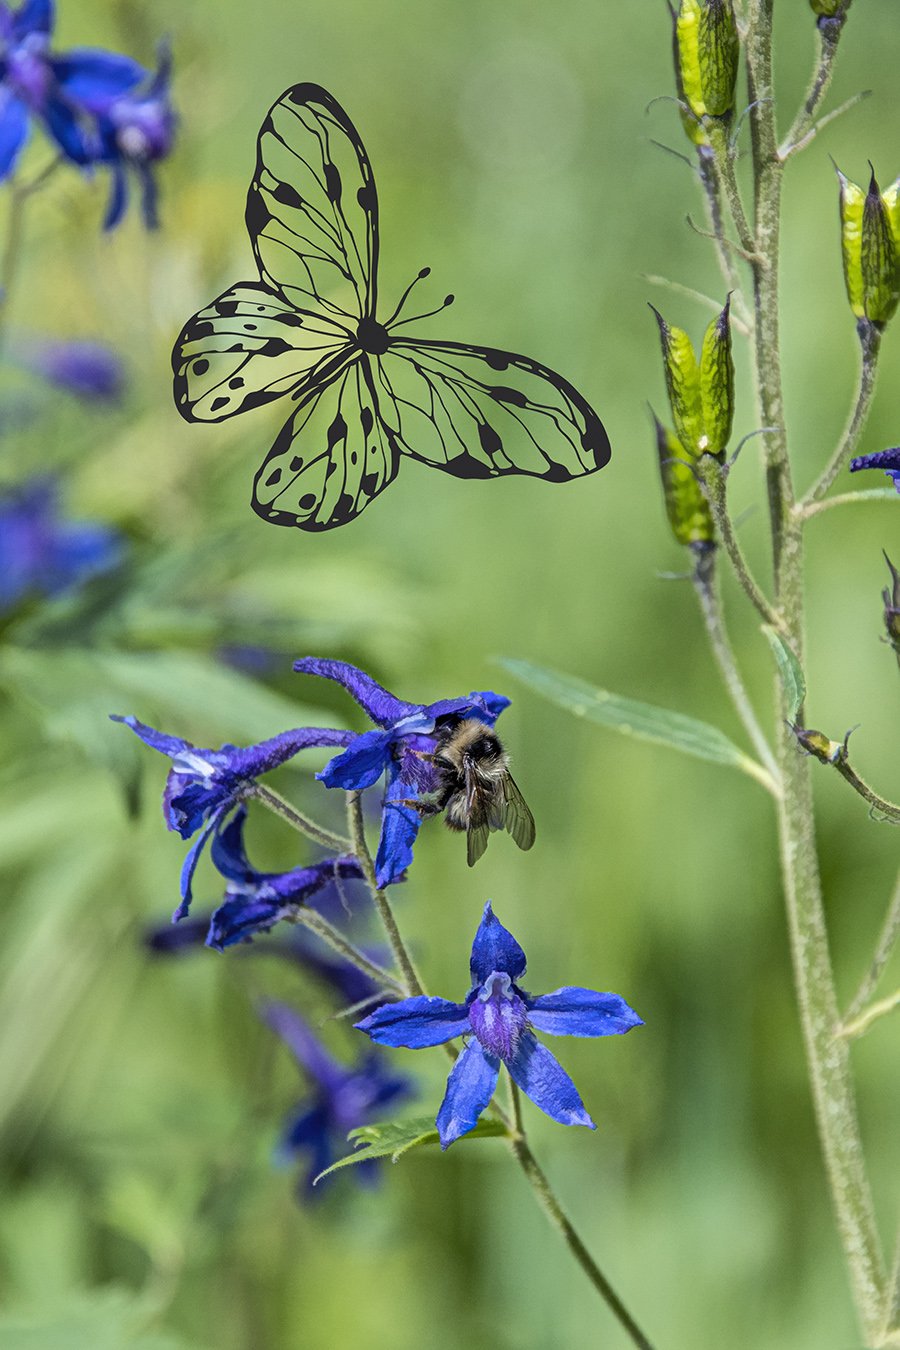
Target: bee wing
(517, 818)
(478, 816)
(477, 836)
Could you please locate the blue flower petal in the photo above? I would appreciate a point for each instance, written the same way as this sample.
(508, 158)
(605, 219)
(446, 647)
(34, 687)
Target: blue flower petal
(118, 197)
(13, 130)
(228, 854)
(469, 1089)
(362, 763)
(399, 827)
(95, 79)
(486, 706)
(34, 16)
(378, 704)
(168, 745)
(889, 460)
(242, 917)
(91, 370)
(415, 1023)
(571, 1011)
(306, 1048)
(494, 948)
(71, 135)
(189, 866)
(542, 1078)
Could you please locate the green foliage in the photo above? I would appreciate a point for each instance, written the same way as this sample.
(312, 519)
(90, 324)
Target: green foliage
(392, 1139)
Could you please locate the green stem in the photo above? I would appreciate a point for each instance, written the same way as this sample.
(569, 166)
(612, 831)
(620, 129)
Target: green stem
(19, 194)
(860, 1025)
(887, 940)
(714, 478)
(892, 1320)
(827, 1055)
(382, 904)
(802, 130)
(724, 162)
(870, 345)
(705, 584)
(712, 190)
(849, 499)
(280, 807)
(547, 1198)
(890, 810)
(314, 921)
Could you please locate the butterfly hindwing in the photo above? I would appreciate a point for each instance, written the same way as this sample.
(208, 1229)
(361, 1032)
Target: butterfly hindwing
(478, 412)
(246, 349)
(331, 458)
(312, 208)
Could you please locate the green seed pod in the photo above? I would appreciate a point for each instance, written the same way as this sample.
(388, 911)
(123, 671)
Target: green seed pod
(693, 126)
(717, 385)
(687, 42)
(870, 250)
(719, 52)
(682, 385)
(686, 506)
(829, 8)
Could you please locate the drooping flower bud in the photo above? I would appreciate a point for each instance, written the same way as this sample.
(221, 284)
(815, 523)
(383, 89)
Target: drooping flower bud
(708, 52)
(888, 460)
(701, 394)
(870, 246)
(891, 597)
(818, 744)
(830, 9)
(686, 506)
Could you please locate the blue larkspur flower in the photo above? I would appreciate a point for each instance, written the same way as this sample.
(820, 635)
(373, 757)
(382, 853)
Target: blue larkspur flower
(136, 131)
(340, 1100)
(66, 92)
(499, 1020)
(42, 553)
(90, 370)
(889, 460)
(204, 786)
(255, 901)
(405, 732)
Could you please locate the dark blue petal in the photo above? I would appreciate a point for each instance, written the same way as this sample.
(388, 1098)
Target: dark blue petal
(74, 139)
(118, 197)
(189, 867)
(889, 460)
(306, 1048)
(243, 917)
(571, 1011)
(486, 706)
(88, 369)
(255, 760)
(95, 79)
(79, 552)
(469, 1089)
(494, 948)
(168, 745)
(415, 1023)
(542, 1078)
(498, 1016)
(399, 828)
(377, 703)
(362, 763)
(168, 941)
(34, 16)
(228, 854)
(13, 130)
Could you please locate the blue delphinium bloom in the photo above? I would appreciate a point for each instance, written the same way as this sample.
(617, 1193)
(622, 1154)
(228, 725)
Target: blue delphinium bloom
(255, 901)
(341, 1098)
(42, 553)
(90, 370)
(405, 733)
(889, 460)
(136, 131)
(204, 786)
(499, 1019)
(66, 92)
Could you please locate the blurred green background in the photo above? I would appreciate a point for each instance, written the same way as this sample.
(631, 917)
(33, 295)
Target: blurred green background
(140, 1099)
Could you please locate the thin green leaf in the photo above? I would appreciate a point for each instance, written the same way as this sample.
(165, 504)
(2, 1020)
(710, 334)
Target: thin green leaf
(789, 669)
(643, 721)
(391, 1139)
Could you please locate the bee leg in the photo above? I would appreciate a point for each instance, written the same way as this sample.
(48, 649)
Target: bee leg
(426, 755)
(424, 808)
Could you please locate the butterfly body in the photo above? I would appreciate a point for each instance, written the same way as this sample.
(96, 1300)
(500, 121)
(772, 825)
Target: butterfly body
(363, 393)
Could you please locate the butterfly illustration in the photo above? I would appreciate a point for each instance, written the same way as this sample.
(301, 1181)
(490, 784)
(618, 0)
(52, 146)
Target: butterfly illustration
(363, 393)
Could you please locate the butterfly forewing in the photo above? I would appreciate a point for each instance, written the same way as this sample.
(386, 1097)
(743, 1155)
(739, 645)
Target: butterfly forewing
(312, 209)
(478, 412)
(331, 458)
(247, 348)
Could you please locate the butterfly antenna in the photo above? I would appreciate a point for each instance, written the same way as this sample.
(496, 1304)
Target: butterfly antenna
(425, 272)
(448, 300)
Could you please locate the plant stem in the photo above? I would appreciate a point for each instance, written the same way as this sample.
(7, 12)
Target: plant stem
(319, 925)
(19, 193)
(280, 807)
(547, 1198)
(890, 810)
(891, 1334)
(860, 1025)
(724, 161)
(870, 345)
(709, 177)
(890, 930)
(849, 499)
(705, 584)
(829, 37)
(382, 904)
(827, 1055)
(714, 478)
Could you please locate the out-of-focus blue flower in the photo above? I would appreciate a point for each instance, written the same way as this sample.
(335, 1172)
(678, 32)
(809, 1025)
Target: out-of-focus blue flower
(203, 786)
(255, 901)
(42, 553)
(136, 131)
(66, 91)
(499, 1019)
(889, 460)
(405, 733)
(87, 369)
(340, 1098)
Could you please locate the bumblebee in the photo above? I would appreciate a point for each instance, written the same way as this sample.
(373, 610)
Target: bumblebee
(476, 790)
